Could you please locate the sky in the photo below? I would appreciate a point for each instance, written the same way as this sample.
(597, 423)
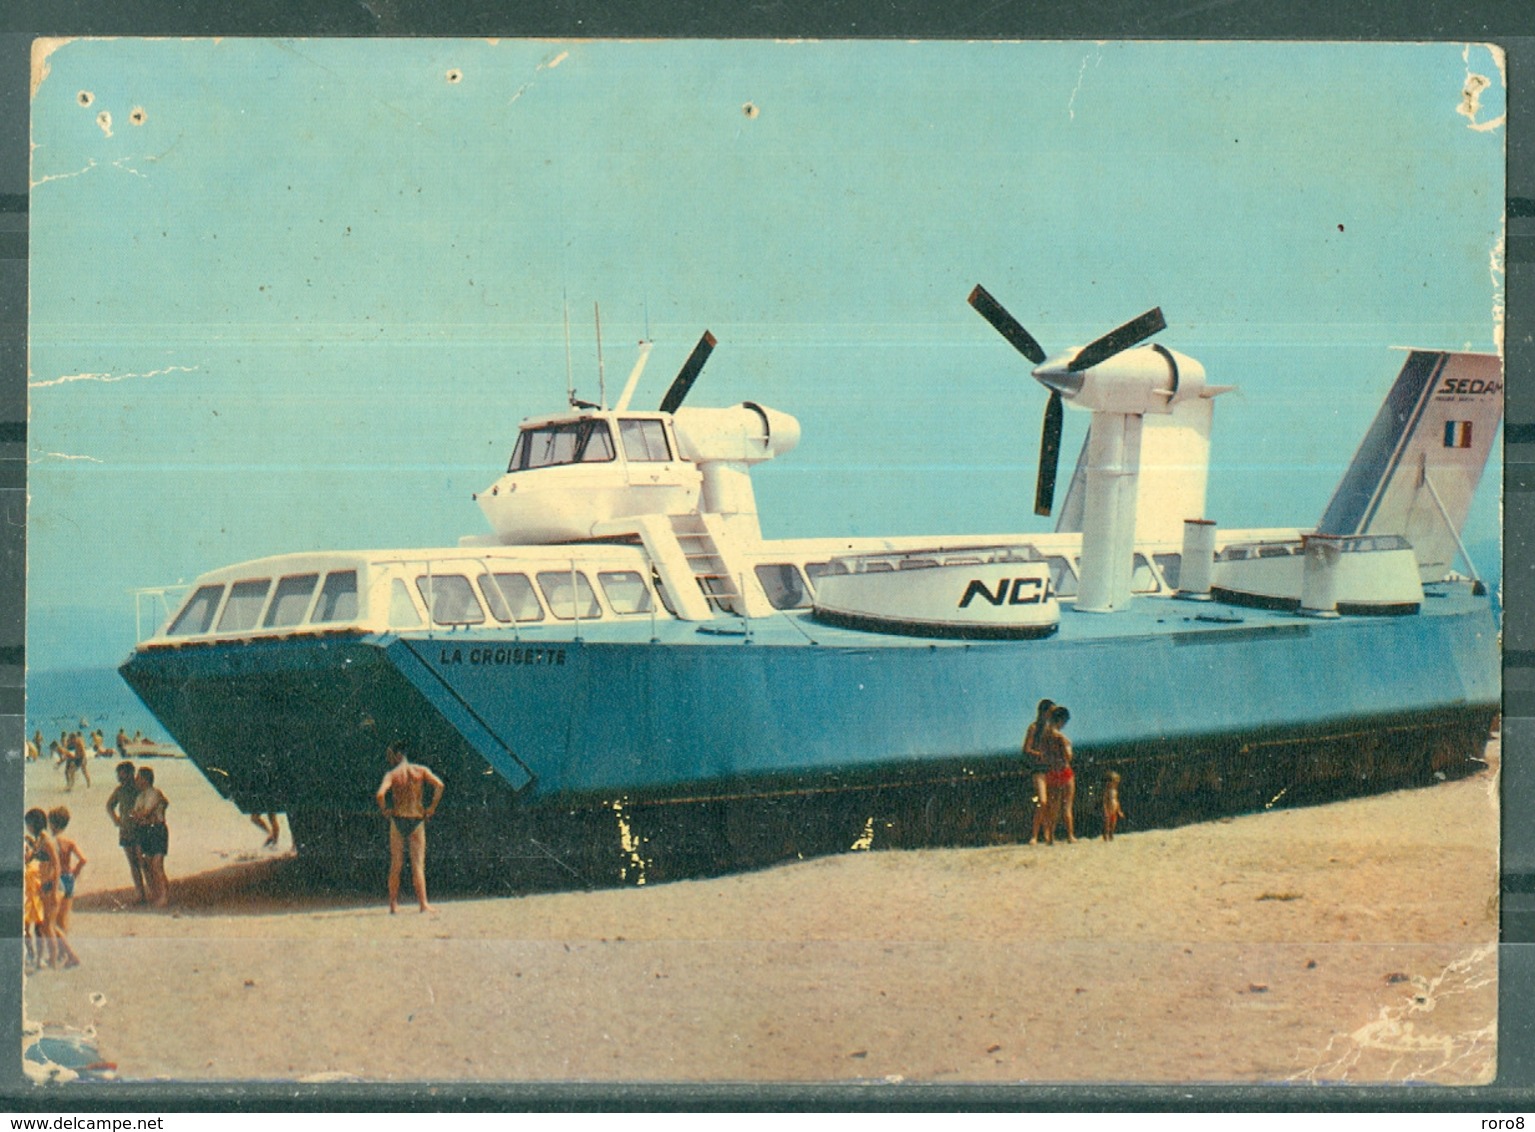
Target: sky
(297, 294)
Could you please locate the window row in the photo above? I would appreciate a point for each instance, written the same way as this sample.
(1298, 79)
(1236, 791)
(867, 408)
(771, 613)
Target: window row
(284, 605)
(511, 597)
(589, 442)
(454, 600)
(298, 599)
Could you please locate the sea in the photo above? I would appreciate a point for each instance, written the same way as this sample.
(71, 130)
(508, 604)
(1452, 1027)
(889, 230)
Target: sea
(86, 699)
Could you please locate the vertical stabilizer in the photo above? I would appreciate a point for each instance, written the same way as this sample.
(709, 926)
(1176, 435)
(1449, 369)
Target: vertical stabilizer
(1419, 464)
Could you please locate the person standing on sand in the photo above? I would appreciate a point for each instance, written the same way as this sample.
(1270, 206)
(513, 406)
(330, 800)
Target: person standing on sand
(79, 760)
(1035, 756)
(267, 823)
(400, 800)
(71, 861)
(33, 920)
(120, 810)
(1061, 779)
(44, 852)
(154, 835)
(1111, 809)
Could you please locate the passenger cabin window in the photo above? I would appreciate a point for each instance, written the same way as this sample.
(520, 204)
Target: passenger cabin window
(402, 611)
(291, 601)
(338, 597)
(784, 586)
(450, 599)
(573, 442)
(1142, 579)
(666, 601)
(510, 597)
(556, 585)
(819, 570)
(243, 609)
(625, 590)
(644, 441)
(197, 614)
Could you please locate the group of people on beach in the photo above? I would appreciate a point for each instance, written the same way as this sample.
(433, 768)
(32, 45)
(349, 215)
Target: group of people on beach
(53, 861)
(68, 753)
(69, 748)
(137, 807)
(1050, 757)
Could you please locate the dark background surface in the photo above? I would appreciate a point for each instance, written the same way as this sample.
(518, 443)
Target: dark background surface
(1497, 22)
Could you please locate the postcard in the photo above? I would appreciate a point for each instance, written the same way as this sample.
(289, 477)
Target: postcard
(775, 562)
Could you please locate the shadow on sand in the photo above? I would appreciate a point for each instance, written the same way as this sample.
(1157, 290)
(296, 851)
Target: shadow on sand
(251, 888)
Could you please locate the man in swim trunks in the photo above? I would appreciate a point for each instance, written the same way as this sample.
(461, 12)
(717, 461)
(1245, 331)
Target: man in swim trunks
(120, 810)
(154, 836)
(400, 800)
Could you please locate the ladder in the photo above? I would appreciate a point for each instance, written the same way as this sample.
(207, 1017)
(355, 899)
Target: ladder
(707, 563)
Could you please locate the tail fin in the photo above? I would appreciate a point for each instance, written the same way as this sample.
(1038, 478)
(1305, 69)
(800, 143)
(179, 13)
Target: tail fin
(1418, 467)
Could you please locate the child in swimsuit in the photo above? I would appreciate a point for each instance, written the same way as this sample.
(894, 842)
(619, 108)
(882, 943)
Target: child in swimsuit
(71, 861)
(1111, 811)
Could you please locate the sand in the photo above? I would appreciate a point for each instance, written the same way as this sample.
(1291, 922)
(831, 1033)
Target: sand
(1349, 942)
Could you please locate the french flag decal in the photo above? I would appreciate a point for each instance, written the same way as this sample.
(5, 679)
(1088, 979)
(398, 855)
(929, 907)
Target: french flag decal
(1457, 434)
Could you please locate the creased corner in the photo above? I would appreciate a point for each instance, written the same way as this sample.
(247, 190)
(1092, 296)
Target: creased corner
(43, 47)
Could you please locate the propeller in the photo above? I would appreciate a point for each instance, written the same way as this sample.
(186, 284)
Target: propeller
(1121, 338)
(688, 373)
(1099, 350)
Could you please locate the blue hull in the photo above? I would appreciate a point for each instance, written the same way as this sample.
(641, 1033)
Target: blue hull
(1201, 708)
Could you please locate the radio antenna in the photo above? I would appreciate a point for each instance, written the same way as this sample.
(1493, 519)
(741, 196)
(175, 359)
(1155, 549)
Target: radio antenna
(602, 385)
(570, 379)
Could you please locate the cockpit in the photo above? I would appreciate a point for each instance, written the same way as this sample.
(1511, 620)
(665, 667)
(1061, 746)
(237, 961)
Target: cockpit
(589, 441)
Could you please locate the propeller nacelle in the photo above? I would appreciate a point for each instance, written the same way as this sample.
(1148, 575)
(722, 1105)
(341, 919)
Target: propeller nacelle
(1145, 379)
(1120, 382)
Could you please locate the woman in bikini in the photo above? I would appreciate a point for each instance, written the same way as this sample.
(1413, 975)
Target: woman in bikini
(1034, 753)
(45, 855)
(1060, 778)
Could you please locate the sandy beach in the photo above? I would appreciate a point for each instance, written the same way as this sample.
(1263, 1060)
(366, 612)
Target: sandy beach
(1349, 942)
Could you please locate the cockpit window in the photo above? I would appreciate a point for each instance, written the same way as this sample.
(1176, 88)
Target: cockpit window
(243, 609)
(573, 442)
(338, 597)
(644, 441)
(197, 614)
(291, 601)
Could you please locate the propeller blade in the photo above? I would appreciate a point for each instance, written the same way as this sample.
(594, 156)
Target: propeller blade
(1049, 455)
(688, 373)
(1121, 338)
(1006, 325)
